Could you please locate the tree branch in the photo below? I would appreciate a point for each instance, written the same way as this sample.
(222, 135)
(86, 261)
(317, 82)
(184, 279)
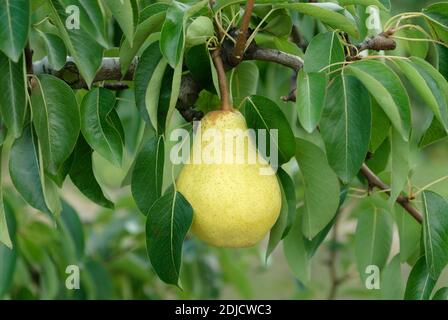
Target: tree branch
(379, 42)
(241, 40)
(374, 181)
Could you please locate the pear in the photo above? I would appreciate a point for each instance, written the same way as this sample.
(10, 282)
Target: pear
(234, 204)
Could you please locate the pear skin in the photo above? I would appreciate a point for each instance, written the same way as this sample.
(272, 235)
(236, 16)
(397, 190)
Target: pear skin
(234, 204)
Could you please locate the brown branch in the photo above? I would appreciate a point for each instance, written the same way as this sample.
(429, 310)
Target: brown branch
(272, 55)
(222, 80)
(241, 40)
(374, 181)
(379, 42)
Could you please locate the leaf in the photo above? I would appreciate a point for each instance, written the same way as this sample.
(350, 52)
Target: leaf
(321, 188)
(14, 26)
(328, 13)
(325, 49)
(287, 214)
(243, 81)
(175, 90)
(25, 171)
(418, 48)
(435, 133)
(386, 87)
(167, 224)
(442, 65)
(399, 165)
(194, 60)
(73, 225)
(91, 18)
(311, 92)
(382, 4)
(146, 67)
(442, 294)
(153, 92)
(420, 284)
(13, 101)
(98, 132)
(8, 256)
(5, 238)
(56, 50)
(345, 126)
(391, 281)
(172, 38)
(86, 52)
(147, 175)
(56, 120)
(409, 231)
(435, 232)
(83, 177)
(295, 250)
(373, 239)
(430, 84)
(262, 113)
(152, 18)
(123, 13)
(380, 126)
(437, 16)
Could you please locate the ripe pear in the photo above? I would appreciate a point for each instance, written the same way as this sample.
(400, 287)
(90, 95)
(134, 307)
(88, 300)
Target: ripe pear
(234, 204)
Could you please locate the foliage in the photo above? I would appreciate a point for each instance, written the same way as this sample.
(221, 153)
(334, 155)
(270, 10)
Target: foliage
(95, 131)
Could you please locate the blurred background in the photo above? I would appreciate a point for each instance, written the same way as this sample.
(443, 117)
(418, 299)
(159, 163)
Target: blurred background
(109, 245)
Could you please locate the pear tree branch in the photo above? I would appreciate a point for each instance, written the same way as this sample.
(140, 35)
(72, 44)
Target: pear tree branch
(241, 40)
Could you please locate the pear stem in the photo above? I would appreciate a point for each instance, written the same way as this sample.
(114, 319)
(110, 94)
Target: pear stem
(222, 80)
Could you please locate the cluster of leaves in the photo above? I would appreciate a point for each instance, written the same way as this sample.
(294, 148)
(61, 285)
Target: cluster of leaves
(361, 109)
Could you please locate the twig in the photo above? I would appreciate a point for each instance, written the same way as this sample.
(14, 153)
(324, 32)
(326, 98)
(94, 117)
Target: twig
(374, 181)
(222, 80)
(379, 42)
(238, 51)
(272, 55)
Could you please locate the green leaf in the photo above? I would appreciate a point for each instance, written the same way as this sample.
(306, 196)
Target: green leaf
(329, 13)
(123, 13)
(435, 133)
(279, 23)
(5, 238)
(262, 113)
(243, 81)
(14, 27)
(418, 48)
(295, 250)
(391, 281)
(56, 120)
(442, 63)
(442, 294)
(345, 126)
(386, 87)
(13, 102)
(153, 92)
(172, 38)
(311, 91)
(73, 224)
(83, 177)
(409, 232)
(399, 165)
(321, 188)
(151, 21)
(287, 213)
(325, 49)
(199, 31)
(194, 60)
(435, 232)
(373, 238)
(175, 90)
(91, 18)
(430, 84)
(420, 284)
(146, 67)
(86, 52)
(97, 130)
(437, 16)
(56, 50)
(8, 256)
(147, 175)
(25, 171)
(382, 4)
(167, 224)
(380, 126)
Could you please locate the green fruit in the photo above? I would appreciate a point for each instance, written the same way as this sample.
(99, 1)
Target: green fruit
(234, 204)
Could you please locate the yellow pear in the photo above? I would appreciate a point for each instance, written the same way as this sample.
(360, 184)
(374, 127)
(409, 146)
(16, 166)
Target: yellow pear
(237, 202)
